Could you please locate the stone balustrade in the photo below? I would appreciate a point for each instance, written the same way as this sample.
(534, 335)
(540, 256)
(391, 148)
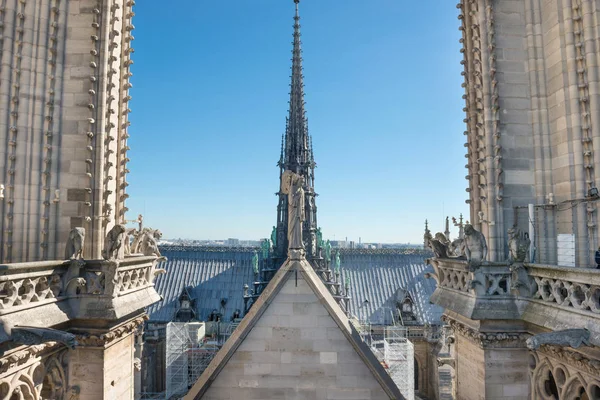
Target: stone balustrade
(477, 293)
(562, 297)
(565, 287)
(49, 293)
(547, 296)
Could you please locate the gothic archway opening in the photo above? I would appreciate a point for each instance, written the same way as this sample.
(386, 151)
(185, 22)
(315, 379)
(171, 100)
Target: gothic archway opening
(595, 392)
(550, 386)
(581, 394)
(416, 366)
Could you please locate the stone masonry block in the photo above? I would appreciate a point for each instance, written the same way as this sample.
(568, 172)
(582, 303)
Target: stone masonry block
(327, 357)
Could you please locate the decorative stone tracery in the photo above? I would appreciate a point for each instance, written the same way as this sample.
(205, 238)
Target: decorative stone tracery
(34, 373)
(559, 373)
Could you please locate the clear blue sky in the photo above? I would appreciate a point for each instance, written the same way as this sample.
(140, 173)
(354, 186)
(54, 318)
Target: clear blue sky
(384, 106)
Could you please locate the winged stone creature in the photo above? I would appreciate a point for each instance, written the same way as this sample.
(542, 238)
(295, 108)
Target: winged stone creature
(113, 243)
(439, 245)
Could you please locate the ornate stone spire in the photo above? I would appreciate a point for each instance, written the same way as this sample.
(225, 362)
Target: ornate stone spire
(297, 149)
(297, 153)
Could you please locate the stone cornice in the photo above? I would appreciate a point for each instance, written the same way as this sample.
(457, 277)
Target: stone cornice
(488, 339)
(104, 339)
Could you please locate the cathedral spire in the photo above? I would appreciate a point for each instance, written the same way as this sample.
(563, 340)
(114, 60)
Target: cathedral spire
(297, 154)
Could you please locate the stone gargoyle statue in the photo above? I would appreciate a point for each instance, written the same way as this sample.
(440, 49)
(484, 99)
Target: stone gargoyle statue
(148, 244)
(30, 335)
(129, 235)
(114, 242)
(439, 245)
(475, 247)
(566, 338)
(75, 242)
(518, 245)
(457, 248)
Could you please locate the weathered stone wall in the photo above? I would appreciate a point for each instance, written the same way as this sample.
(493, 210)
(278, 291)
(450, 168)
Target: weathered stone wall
(103, 373)
(506, 374)
(531, 92)
(470, 370)
(295, 351)
(118, 369)
(63, 122)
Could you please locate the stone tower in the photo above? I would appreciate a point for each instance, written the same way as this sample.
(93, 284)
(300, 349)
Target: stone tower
(64, 96)
(297, 155)
(533, 127)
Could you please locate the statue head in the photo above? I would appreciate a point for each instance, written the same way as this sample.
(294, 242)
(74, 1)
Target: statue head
(441, 237)
(469, 230)
(118, 229)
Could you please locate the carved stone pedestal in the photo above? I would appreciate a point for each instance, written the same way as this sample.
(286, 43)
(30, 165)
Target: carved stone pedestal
(296, 254)
(489, 364)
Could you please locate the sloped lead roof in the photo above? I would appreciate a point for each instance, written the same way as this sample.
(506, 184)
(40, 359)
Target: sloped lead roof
(216, 273)
(267, 297)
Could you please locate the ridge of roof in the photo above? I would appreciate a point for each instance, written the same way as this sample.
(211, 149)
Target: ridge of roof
(266, 298)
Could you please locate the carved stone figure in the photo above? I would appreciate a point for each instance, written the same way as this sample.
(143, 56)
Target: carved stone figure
(149, 243)
(131, 233)
(75, 242)
(338, 262)
(274, 237)
(328, 250)
(439, 245)
(457, 248)
(30, 335)
(265, 246)
(475, 246)
(567, 338)
(137, 239)
(319, 238)
(518, 245)
(293, 186)
(114, 242)
(255, 262)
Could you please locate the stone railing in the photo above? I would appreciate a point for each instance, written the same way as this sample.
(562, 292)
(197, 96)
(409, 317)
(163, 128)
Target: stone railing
(548, 296)
(31, 284)
(48, 293)
(577, 288)
(484, 291)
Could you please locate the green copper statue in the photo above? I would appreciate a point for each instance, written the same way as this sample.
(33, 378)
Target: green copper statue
(338, 262)
(265, 245)
(319, 238)
(328, 250)
(255, 262)
(274, 237)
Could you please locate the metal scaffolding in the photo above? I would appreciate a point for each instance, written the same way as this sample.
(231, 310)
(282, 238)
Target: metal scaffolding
(396, 353)
(187, 356)
(399, 360)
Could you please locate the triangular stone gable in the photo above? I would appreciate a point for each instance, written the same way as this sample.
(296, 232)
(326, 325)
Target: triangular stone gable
(295, 344)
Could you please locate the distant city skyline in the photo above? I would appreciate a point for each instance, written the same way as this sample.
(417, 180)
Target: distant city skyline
(210, 98)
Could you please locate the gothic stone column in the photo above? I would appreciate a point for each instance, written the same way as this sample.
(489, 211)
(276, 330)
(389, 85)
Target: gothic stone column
(102, 366)
(490, 364)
